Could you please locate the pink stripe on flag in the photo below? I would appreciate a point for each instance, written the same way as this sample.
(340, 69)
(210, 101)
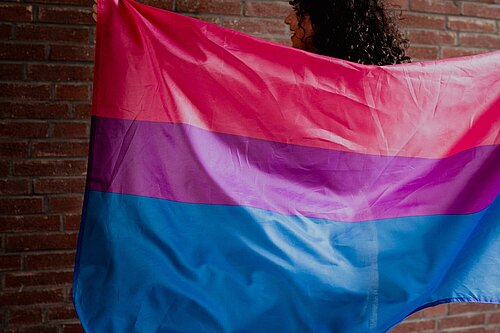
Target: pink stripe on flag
(233, 83)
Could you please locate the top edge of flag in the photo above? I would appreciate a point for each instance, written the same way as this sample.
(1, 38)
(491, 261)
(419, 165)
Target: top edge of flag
(239, 84)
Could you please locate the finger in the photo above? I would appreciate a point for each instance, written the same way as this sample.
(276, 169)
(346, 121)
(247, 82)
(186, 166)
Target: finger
(94, 8)
(94, 16)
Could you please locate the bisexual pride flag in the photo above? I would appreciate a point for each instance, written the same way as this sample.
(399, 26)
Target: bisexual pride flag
(236, 185)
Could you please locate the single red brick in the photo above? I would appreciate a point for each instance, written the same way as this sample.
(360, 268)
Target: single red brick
(59, 149)
(29, 223)
(423, 21)
(83, 111)
(50, 261)
(11, 72)
(16, 13)
(207, 18)
(209, 6)
(73, 328)
(398, 4)
(24, 316)
(24, 129)
(457, 308)
(32, 297)
(25, 90)
(432, 37)
(164, 4)
(72, 222)
(31, 110)
(70, 130)
(494, 318)
(474, 330)
(16, 51)
(471, 24)
(423, 52)
(50, 241)
(65, 15)
(5, 168)
(66, 204)
(88, 3)
(435, 311)
(21, 205)
(255, 26)
(10, 262)
(32, 329)
(60, 72)
(450, 52)
(73, 92)
(431, 6)
(59, 185)
(21, 280)
(56, 34)
(481, 10)
(61, 313)
(415, 327)
(414, 316)
(460, 321)
(13, 149)
(50, 168)
(5, 30)
(480, 40)
(267, 9)
(71, 53)
(13, 186)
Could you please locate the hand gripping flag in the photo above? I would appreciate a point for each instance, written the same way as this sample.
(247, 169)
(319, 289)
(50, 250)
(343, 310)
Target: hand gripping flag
(235, 185)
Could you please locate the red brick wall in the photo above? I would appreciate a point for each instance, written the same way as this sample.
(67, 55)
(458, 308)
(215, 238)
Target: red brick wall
(46, 55)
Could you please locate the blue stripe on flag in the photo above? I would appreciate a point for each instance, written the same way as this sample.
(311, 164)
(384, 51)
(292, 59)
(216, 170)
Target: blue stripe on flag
(179, 267)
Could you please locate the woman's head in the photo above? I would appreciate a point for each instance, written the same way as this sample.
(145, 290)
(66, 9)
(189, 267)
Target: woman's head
(301, 31)
(360, 31)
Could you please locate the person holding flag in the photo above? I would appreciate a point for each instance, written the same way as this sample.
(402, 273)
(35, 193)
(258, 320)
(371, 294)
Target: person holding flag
(239, 185)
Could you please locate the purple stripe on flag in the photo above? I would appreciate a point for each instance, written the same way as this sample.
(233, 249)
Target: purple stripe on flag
(184, 163)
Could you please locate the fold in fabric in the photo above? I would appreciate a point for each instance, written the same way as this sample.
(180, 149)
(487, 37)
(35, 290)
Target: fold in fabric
(236, 185)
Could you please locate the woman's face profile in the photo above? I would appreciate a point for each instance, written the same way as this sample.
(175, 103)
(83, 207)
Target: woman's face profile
(301, 35)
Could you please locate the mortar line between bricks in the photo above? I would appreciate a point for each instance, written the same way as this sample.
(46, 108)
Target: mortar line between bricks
(74, 82)
(50, 63)
(72, 177)
(42, 122)
(448, 31)
(57, 140)
(38, 233)
(64, 26)
(34, 12)
(30, 148)
(232, 16)
(46, 42)
(55, 4)
(37, 101)
(61, 6)
(57, 158)
(13, 31)
(25, 100)
(47, 252)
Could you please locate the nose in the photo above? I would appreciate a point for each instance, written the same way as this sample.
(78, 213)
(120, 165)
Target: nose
(288, 18)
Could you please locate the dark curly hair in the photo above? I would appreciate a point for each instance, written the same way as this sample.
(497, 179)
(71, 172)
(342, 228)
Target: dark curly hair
(360, 31)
